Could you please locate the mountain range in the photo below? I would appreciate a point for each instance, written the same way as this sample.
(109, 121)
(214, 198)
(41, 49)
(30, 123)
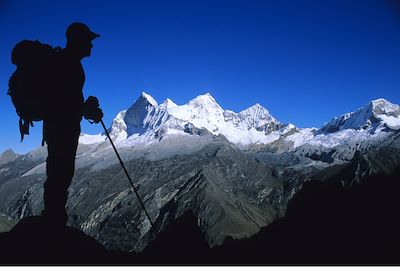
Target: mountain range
(235, 171)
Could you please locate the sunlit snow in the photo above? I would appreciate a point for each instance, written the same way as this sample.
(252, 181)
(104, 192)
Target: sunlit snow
(146, 123)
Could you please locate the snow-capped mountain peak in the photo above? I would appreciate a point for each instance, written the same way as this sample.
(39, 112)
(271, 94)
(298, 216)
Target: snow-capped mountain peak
(167, 104)
(256, 110)
(149, 99)
(205, 102)
(256, 116)
(377, 113)
(139, 114)
(146, 121)
(207, 97)
(202, 111)
(381, 106)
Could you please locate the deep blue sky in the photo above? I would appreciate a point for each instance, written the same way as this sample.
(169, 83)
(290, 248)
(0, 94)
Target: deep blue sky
(306, 61)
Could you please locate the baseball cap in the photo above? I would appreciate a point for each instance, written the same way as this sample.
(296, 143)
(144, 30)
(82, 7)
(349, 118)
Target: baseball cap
(79, 31)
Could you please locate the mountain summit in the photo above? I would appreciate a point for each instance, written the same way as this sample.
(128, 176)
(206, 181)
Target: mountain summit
(147, 121)
(138, 115)
(378, 113)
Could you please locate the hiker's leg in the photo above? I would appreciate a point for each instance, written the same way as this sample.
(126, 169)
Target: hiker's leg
(62, 141)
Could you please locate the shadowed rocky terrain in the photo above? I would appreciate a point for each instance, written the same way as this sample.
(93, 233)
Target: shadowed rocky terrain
(325, 223)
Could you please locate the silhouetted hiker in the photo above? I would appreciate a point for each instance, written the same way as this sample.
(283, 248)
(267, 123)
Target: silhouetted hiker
(65, 107)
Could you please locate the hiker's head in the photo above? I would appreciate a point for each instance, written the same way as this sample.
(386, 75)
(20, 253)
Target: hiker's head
(79, 37)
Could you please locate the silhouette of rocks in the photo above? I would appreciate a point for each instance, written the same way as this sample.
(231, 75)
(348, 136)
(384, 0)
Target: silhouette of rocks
(326, 223)
(33, 241)
(180, 243)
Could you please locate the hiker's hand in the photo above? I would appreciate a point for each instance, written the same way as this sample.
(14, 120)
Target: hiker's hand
(98, 115)
(91, 110)
(92, 102)
(94, 115)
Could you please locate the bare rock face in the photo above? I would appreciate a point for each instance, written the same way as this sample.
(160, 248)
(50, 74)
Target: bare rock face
(6, 223)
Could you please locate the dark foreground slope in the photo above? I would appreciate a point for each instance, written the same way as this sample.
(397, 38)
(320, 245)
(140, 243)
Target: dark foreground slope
(329, 224)
(325, 223)
(32, 241)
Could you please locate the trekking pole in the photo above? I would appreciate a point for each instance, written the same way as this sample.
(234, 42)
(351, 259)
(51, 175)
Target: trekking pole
(127, 174)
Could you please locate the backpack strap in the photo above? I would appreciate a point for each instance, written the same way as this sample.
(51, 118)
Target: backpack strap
(23, 127)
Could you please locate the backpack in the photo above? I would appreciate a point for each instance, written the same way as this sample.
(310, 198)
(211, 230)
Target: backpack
(27, 86)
